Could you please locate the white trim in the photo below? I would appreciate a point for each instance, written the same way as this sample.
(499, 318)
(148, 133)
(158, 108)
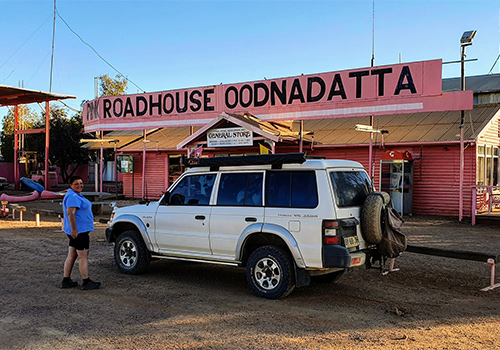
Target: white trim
(146, 125)
(273, 116)
(343, 111)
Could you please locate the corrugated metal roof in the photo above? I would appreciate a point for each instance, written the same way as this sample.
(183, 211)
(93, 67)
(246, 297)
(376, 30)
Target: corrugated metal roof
(11, 96)
(477, 83)
(416, 127)
(124, 137)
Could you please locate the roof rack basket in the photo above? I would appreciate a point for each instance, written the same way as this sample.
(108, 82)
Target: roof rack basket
(276, 160)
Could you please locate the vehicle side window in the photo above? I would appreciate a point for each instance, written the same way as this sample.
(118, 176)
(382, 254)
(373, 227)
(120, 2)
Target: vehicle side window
(291, 189)
(240, 189)
(193, 190)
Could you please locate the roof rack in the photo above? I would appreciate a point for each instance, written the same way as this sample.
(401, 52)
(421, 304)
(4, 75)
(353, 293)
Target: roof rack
(276, 160)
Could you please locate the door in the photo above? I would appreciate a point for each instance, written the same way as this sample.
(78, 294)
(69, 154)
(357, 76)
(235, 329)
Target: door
(183, 224)
(238, 208)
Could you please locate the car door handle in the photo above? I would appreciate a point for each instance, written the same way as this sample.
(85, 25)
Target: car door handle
(249, 219)
(200, 217)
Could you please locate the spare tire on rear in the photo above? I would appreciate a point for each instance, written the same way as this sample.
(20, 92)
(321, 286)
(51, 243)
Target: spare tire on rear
(371, 216)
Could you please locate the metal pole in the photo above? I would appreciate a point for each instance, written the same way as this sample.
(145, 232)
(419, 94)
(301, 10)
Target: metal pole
(47, 137)
(461, 187)
(143, 163)
(16, 167)
(101, 169)
(301, 143)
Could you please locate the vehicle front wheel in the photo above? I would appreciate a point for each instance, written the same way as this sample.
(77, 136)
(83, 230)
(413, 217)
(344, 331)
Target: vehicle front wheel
(131, 255)
(270, 272)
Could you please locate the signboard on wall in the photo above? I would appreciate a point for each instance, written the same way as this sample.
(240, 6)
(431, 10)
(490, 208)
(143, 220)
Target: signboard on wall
(229, 137)
(125, 163)
(401, 88)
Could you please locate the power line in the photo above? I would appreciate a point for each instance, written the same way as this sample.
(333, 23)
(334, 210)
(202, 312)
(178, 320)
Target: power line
(493, 66)
(19, 48)
(97, 53)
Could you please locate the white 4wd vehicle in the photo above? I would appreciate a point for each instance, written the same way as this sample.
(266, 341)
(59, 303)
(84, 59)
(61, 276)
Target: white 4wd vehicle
(283, 217)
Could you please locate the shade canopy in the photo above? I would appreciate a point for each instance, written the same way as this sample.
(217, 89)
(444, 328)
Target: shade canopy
(12, 96)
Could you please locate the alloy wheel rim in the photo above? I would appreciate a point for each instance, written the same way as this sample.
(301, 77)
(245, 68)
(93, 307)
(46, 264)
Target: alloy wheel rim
(267, 273)
(128, 253)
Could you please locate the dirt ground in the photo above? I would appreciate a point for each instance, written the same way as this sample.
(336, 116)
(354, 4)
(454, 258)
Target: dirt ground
(431, 303)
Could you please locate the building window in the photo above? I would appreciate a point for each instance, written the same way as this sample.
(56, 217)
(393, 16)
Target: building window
(488, 165)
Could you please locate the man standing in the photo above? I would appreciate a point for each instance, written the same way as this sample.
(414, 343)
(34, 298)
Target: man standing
(78, 222)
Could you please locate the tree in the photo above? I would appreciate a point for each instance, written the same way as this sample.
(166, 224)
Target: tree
(27, 120)
(65, 148)
(113, 87)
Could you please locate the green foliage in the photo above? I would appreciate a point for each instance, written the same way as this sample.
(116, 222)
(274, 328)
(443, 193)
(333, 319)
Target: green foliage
(112, 87)
(27, 120)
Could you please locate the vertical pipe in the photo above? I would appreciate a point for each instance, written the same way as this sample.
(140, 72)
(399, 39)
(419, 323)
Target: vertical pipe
(101, 163)
(47, 137)
(16, 167)
(461, 187)
(301, 144)
(474, 205)
(143, 163)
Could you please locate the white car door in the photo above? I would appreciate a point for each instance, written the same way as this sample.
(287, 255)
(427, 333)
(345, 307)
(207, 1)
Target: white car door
(183, 224)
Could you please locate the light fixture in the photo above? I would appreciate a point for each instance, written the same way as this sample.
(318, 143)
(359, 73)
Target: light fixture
(467, 38)
(368, 128)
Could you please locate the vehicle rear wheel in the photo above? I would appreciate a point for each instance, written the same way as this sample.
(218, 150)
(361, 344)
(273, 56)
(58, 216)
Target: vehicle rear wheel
(270, 272)
(131, 255)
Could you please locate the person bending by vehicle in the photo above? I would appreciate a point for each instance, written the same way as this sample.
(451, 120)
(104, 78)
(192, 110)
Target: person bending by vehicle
(78, 223)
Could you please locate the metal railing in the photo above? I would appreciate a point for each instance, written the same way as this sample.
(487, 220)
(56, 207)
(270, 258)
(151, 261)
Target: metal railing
(485, 199)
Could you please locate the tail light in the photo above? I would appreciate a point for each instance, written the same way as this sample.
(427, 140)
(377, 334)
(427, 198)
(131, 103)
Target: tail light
(330, 232)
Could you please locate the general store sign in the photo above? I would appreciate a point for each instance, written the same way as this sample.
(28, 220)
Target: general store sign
(401, 88)
(229, 137)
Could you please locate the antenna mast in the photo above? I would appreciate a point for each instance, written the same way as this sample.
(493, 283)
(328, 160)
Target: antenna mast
(53, 41)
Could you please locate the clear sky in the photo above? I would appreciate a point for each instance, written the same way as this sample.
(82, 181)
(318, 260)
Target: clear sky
(165, 45)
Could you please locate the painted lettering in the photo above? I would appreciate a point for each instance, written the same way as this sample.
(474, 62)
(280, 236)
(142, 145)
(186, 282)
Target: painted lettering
(207, 99)
(321, 93)
(359, 76)
(231, 90)
(196, 103)
(337, 83)
(167, 109)
(156, 105)
(141, 106)
(409, 85)
(296, 93)
(128, 108)
(381, 72)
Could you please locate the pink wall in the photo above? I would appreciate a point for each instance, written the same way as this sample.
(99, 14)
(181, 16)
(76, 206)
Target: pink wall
(7, 171)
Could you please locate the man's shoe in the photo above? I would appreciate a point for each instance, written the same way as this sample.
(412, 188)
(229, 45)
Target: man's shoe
(91, 285)
(68, 283)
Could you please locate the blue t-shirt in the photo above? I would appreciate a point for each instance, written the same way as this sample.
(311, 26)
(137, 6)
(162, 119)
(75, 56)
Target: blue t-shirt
(83, 215)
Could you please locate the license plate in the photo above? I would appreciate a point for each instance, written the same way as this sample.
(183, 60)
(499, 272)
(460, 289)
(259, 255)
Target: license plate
(351, 241)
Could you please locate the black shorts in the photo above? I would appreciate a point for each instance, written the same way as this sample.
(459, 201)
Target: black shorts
(82, 242)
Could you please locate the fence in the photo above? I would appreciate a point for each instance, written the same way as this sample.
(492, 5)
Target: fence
(486, 200)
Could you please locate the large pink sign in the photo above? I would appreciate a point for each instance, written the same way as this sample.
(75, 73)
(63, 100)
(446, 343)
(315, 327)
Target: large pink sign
(402, 88)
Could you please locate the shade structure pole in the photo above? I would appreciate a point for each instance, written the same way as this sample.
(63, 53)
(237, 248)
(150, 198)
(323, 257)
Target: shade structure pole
(47, 144)
(16, 167)
(143, 164)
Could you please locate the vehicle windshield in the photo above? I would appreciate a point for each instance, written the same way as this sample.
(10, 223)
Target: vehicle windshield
(350, 187)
